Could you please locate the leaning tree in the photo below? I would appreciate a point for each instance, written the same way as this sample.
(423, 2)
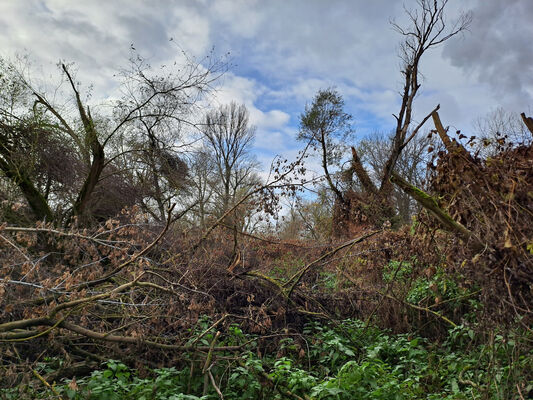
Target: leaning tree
(428, 29)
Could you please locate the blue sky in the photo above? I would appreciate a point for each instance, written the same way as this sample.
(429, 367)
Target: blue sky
(283, 51)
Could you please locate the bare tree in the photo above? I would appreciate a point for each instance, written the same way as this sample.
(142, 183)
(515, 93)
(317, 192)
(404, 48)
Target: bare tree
(497, 127)
(309, 219)
(228, 137)
(203, 181)
(153, 105)
(412, 164)
(428, 28)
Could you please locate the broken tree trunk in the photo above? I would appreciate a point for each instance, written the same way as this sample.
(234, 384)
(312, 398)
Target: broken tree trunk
(528, 121)
(362, 175)
(97, 151)
(451, 145)
(430, 204)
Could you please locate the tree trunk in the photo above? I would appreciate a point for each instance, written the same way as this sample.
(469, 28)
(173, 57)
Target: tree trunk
(430, 204)
(91, 181)
(528, 121)
(35, 199)
(97, 151)
(451, 145)
(361, 173)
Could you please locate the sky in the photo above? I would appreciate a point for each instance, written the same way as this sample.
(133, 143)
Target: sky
(282, 51)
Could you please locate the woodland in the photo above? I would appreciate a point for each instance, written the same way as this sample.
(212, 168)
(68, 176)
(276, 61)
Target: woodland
(143, 255)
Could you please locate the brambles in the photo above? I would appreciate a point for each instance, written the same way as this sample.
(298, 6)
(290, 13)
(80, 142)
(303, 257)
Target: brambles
(275, 324)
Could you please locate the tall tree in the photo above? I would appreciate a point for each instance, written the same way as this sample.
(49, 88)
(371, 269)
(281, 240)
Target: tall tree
(203, 180)
(428, 28)
(229, 137)
(97, 145)
(325, 126)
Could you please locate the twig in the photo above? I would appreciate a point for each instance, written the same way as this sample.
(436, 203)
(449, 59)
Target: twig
(73, 303)
(278, 242)
(171, 283)
(210, 353)
(423, 309)
(208, 329)
(39, 334)
(464, 296)
(466, 381)
(38, 376)
(511, 298)
(15, 247)
(299, 274)
(417, 128)
(136, 340)
(103, 242)
(207, 363)
(519, 392)
(134, 257)
(215, 385)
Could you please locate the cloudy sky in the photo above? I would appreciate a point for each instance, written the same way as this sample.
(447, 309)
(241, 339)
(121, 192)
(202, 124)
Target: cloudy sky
(283, 51)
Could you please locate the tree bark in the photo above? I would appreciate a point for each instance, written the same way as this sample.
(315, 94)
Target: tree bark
(35, 199)
(528, 121)
(97, 152)
(451, 145)
(361, 173)
(97, 165)
(430, 204)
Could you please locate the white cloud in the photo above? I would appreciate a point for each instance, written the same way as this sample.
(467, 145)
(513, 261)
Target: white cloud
(246, 91)
(274, 119)
(271, 141)
(302, 90)
(239, 89)
(241, 17)
(284, 51)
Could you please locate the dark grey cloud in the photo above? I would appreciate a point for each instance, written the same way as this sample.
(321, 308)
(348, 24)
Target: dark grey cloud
(97, 35)
(499, 49)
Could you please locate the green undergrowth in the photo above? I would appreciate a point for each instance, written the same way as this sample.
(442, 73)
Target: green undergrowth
(347, 360)
(438, 290)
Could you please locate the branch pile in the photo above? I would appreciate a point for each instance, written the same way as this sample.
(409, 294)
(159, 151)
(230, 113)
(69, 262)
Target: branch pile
(137, 292)
(492, 198)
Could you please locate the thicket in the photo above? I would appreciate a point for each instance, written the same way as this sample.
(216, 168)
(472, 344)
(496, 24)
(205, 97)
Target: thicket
(427, 311)
(109, 290)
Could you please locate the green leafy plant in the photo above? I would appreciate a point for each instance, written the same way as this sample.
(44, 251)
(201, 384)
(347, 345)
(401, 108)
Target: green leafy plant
(398, 271)
(346, 360)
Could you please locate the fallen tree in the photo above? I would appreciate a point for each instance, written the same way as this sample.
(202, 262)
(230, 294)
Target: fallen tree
(486, 203)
